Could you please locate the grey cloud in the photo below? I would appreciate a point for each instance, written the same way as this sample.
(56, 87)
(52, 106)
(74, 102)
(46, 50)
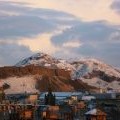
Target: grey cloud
(24, 9)
(107, 52)
(30, 21)
(116, 6)
(12, 53)
(23, 26)
(86, 32)
(95, 39)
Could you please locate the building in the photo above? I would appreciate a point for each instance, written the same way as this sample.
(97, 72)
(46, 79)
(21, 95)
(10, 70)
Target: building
(32, 98)
(81, 104)
(2, 94)
(50, 98)
(88, 98)
(51, 113)
(66, 112)
(95, 114)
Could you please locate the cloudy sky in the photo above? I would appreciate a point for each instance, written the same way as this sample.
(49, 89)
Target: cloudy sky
(62, 28)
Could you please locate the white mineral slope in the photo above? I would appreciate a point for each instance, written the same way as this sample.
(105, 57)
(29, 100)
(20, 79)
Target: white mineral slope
(45, 60)
(85, 66)
(115, 85)
(20, 84)
(39, 59)
(96, 82)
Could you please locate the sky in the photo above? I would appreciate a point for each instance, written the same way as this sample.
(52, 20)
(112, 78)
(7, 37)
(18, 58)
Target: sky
(61, 28)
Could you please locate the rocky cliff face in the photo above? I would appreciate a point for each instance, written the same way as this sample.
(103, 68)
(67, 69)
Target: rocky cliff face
(6, 72)
(63, 84)
(60, 79)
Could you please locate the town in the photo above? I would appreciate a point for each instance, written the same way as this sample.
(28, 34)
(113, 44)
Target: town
(60, 106)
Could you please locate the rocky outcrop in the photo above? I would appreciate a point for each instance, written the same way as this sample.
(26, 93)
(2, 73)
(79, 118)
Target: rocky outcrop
(62, 84)
(102, 75)
(31, 70)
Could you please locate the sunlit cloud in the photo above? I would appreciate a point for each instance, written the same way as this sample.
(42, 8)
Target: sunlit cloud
(40, 43)
(87, 10)
(72, 44)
